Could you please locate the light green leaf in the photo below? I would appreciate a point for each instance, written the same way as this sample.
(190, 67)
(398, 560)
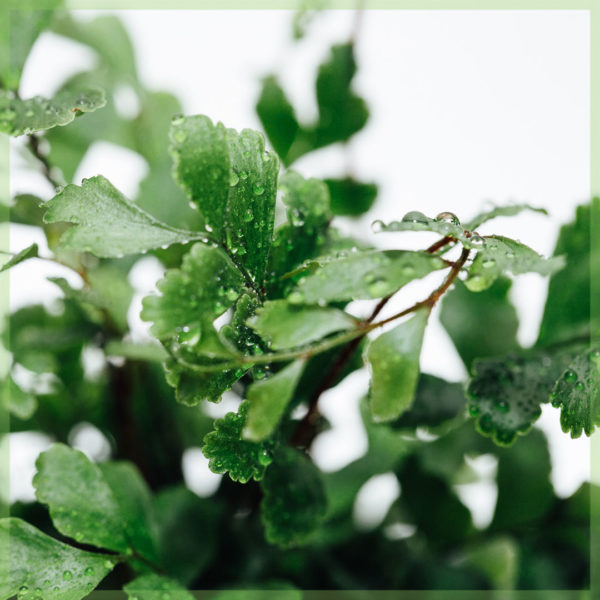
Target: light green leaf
(294, 502)
(81, 502)
(483, 324)
(505, 393)
(151, 352)
(201, 166)
(29, 252)
(363, 275)
(277, 117)
(15, 400)
(229, 453)
(23, 117)
(287, 326)
(106, 223)
(350, 197)
(135, 504)
(34, 564)
(577, 393)
(393, 358)
(501, 211)
(156, 587)
(501, 255)
(268, 400)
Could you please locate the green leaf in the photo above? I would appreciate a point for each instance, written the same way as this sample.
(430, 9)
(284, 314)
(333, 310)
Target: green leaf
(294, 502)
(350, 197)
(567, 313)
(436, 401)
(24, 117)
(135, 505)
(501, 255)
(29, 252)
(341, 112)
(286, 326)
(229, 453)
(106, 223)
(181, 515)
(363, 275)
(156, 587)
(190, 301)
(151, 352)
(201, 166)
(497, 558)
(34, 564)
(577, 393)
(481, 325)
(277, 117)
(269, 399)
(233, 181)
(81, 502)
(393, 358)
(505, 393)
(18, 33)
(15, 400)
(501, 211)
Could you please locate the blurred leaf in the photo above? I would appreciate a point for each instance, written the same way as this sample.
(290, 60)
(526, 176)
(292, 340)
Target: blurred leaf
(501, 255)
(363, 275)
(481, 325)
(181, 515)
(505, 393)
(23, 117)
(81, 502)
(497, 558)
(229, 453)
(577, 393)
(294, 502)
(38, 562)
(567, 313)
(15, 400)
(286, 326)
(436, 401)
(277, 117)
(29, 252)
(148, 352)
(269, 399)
(501, 211)
(106, 223)
(26, 209)
(350, 197)
(17, 36)
(135, 504)
(155, 587)
(393, 358)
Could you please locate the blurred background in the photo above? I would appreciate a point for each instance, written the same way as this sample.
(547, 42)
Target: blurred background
(467, 107)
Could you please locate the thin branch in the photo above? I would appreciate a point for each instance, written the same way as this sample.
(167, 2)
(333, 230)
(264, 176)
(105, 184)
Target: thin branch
(33, 143)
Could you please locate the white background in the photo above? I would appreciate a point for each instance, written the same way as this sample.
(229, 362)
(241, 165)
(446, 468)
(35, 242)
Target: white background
(466, 106)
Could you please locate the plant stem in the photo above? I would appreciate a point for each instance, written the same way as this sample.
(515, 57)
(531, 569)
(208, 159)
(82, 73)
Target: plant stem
(33, 143)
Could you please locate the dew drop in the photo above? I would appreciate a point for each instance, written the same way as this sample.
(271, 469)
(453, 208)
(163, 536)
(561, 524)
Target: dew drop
(180, 135)
(296, 298)
(248, 216)
(448, 217)
(473, 410)
(258, 189)
(570, 376)
(231, 294)
(488, 263)
(580, 386)
(177, 119)
(477, 241)
(415, 216)
(67, 575)
(265, 458)
(502, 406)
(89, 572)
(233, 179)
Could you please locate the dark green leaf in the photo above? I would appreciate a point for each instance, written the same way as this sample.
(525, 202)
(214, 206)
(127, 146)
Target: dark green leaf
(497, 558)
(436, 401)
(268, 400)
(577, 393)
(294, 502)
(393, 358)
(350, 197)
(287, 326)
(106, 223)
(156, 587)
(363, 275)
(29, 252)
(229, 453)
(34, 564)
(23, 117)
(501, 211)
(505, 393)
(481, 325)
(135, 504)
(81, 502)
(501, 255)
(277, 117)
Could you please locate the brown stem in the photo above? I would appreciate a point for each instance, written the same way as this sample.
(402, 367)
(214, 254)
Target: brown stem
(440, 244)
(33, 143)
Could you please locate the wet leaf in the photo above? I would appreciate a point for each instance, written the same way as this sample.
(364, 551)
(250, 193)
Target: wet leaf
(29, 252)
(156, 587)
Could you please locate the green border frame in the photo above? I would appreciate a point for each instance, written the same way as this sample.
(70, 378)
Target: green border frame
(590, 6)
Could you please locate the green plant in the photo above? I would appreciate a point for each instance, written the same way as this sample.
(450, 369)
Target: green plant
(262, 309)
